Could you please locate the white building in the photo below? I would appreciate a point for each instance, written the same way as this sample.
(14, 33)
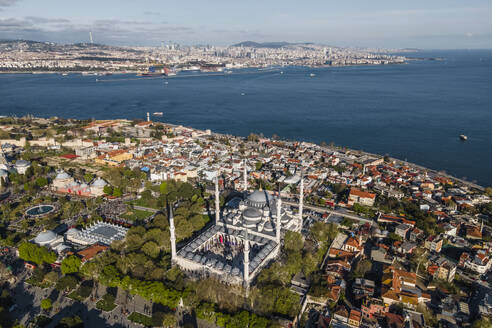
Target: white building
(48, 238)
(21, 166)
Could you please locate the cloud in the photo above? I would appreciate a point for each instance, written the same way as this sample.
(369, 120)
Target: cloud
(44, 20)
(7, 3)
(107, 31)
(151, 13)
(104, 22)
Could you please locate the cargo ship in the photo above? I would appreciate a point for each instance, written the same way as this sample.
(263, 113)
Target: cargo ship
(157, 70)
(211, 67)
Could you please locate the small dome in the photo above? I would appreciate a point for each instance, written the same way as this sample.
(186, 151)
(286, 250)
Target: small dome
(251, 213)
(268, 226)
(45, 237)
(72, 231)
(62, 175)
(258, 197)
(99, 183)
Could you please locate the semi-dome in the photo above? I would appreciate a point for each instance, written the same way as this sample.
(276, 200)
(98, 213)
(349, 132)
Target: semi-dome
(45, 237)
(258, 196)
(21, 163)
(268, 226)
(251, 213)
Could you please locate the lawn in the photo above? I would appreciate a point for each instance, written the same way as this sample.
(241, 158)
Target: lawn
(106, 303)
(141, 319)
(136, 215)
(82, 292)
(42, 321)
(42, 285)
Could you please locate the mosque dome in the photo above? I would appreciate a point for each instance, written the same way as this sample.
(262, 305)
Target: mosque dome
(22, 163)
(99, 183)
(258, 197)
(45, 237)
(62, 176)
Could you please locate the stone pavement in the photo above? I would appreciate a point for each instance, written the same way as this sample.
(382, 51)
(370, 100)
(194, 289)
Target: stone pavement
(28, 299)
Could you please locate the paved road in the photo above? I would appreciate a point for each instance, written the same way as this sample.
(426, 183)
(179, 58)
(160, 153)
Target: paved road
(334, 212)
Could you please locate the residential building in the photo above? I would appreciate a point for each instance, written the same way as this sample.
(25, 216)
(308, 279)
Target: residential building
(357, 196)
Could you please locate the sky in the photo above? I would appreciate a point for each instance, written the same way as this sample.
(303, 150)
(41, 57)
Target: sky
(429, 24)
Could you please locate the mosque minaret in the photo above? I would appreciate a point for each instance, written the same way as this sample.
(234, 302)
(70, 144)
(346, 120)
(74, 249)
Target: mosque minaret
(173, 234)
(245, 237)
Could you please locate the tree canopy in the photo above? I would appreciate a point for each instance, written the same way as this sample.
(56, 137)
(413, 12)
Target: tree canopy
(70, 264)
(37, 254)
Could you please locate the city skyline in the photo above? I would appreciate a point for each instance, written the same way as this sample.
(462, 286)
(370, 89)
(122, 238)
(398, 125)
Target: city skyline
(440, 24)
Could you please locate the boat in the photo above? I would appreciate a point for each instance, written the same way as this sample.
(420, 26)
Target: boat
(157, 70)
(242, 93)
(165, 82)
(463, 137)
(157, 113)
(312, 75)
(64, 74)
(281, 72)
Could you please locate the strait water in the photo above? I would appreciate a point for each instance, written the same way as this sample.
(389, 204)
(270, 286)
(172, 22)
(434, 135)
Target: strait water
(414, 111)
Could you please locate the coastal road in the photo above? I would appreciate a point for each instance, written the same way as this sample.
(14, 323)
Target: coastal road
(334, 212)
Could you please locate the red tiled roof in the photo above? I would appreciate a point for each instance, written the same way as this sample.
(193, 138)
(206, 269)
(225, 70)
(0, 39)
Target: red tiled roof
(362, 194)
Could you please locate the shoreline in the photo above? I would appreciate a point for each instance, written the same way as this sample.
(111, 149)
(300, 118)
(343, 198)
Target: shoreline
(270, 67)
(326, 148)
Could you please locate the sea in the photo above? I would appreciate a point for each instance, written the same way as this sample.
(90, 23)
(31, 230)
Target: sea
(414, 112)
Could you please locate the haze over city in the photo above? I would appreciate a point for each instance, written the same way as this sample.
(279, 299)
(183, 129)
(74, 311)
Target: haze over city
(449, 24)
(245, 164)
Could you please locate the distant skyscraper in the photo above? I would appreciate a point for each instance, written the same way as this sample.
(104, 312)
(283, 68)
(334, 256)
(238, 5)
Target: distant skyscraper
(90, 37)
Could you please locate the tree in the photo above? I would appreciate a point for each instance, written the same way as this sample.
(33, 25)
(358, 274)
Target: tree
(394, 237)
(482, 323)
(108, 190)
(169, 320)
(70, 264)
(323, 233)
(151, 249)
(71, 322)
(309, 264)
(41, 182)
(163, 188)
(429, 317)
(117, 192)
(88, 177)
(488, 191)
(293, 241)
(37, 254)
(46, 304)
(51, 277)
(66, 283)
(361, 269)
